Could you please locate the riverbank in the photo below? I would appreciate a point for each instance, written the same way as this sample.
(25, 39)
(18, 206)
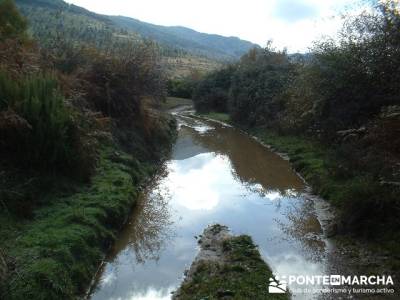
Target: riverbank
(317, 164)
(55, 253)
(227, 267)
(175, 102)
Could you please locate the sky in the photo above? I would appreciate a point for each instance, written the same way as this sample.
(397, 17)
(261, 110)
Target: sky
(291, 24)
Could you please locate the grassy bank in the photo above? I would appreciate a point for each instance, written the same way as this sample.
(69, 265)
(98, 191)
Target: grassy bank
(321, 168)
(55, 253)
(236, 272)
(352, 196)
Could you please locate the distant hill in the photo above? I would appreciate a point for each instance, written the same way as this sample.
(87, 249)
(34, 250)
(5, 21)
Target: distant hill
(79, 23)
(210, 45)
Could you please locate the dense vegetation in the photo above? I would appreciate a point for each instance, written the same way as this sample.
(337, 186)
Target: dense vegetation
(79, 133)
(337, 113)
(183, 87)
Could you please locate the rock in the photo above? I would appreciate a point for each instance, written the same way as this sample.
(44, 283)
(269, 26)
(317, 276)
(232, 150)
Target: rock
(211, 250)
(211, 243)
(390, 112)
(223, 261)
(349, 135)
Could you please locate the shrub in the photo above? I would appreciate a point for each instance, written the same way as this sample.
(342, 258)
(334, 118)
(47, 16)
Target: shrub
(37, 129)
(181, 88)
(12, 24)
(42, 105)
(367, 206)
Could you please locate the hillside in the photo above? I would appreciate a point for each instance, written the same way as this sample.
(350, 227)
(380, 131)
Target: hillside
(209, 45)
(52, 21)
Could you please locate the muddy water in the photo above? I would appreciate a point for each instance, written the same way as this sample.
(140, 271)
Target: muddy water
(216, 174)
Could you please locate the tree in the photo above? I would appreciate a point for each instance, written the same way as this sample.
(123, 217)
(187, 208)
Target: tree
(12, 24)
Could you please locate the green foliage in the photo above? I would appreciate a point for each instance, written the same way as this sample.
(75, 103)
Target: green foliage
(355, 77)
(57, 254)
(54, 20)
(344, 84)
(118, 85)
(188, 40)
(251, 90)
(257, 86)
(56, 106)
(180, 88)
(212, 93)
(365, 205)
(49, 133)
(9, 90)
(42, 105)
(345, 96)
(12, 24)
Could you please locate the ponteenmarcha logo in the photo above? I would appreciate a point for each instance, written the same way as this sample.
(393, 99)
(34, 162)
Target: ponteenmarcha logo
(277, 285)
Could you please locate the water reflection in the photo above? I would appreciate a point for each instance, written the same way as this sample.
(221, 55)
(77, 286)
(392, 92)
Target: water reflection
(215, 174)
(147, 233)
(149, 227)
(194, 184)
(251, 162)
(302, 225)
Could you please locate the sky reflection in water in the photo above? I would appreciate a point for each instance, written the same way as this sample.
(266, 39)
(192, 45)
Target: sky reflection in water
(216, 174)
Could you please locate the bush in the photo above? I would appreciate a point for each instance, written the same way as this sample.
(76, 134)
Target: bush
(118, 85)
(367, 207)
(37, 129)
(181, 88)
(257, 86)
(8, 90)
(42, 105)
(12, 24)
(212, 93)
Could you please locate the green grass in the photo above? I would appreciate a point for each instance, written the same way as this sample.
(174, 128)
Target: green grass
(353, 196)
(55, 254)
(244, 276)
(318, 165)
(222, 117)
(174, 102)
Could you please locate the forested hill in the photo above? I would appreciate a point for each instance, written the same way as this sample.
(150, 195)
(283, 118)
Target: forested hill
(51, 17)
(210, 45)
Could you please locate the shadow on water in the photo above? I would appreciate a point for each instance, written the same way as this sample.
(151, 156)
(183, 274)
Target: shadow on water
(215, 174)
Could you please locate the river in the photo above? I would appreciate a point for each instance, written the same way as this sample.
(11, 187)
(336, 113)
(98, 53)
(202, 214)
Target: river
(216, 174)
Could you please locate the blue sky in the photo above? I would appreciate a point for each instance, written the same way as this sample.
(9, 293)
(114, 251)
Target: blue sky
(294, 24)
(293, 11)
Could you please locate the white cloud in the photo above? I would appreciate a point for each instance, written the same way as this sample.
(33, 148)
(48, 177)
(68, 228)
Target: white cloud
(257, 20)
(197, 189)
